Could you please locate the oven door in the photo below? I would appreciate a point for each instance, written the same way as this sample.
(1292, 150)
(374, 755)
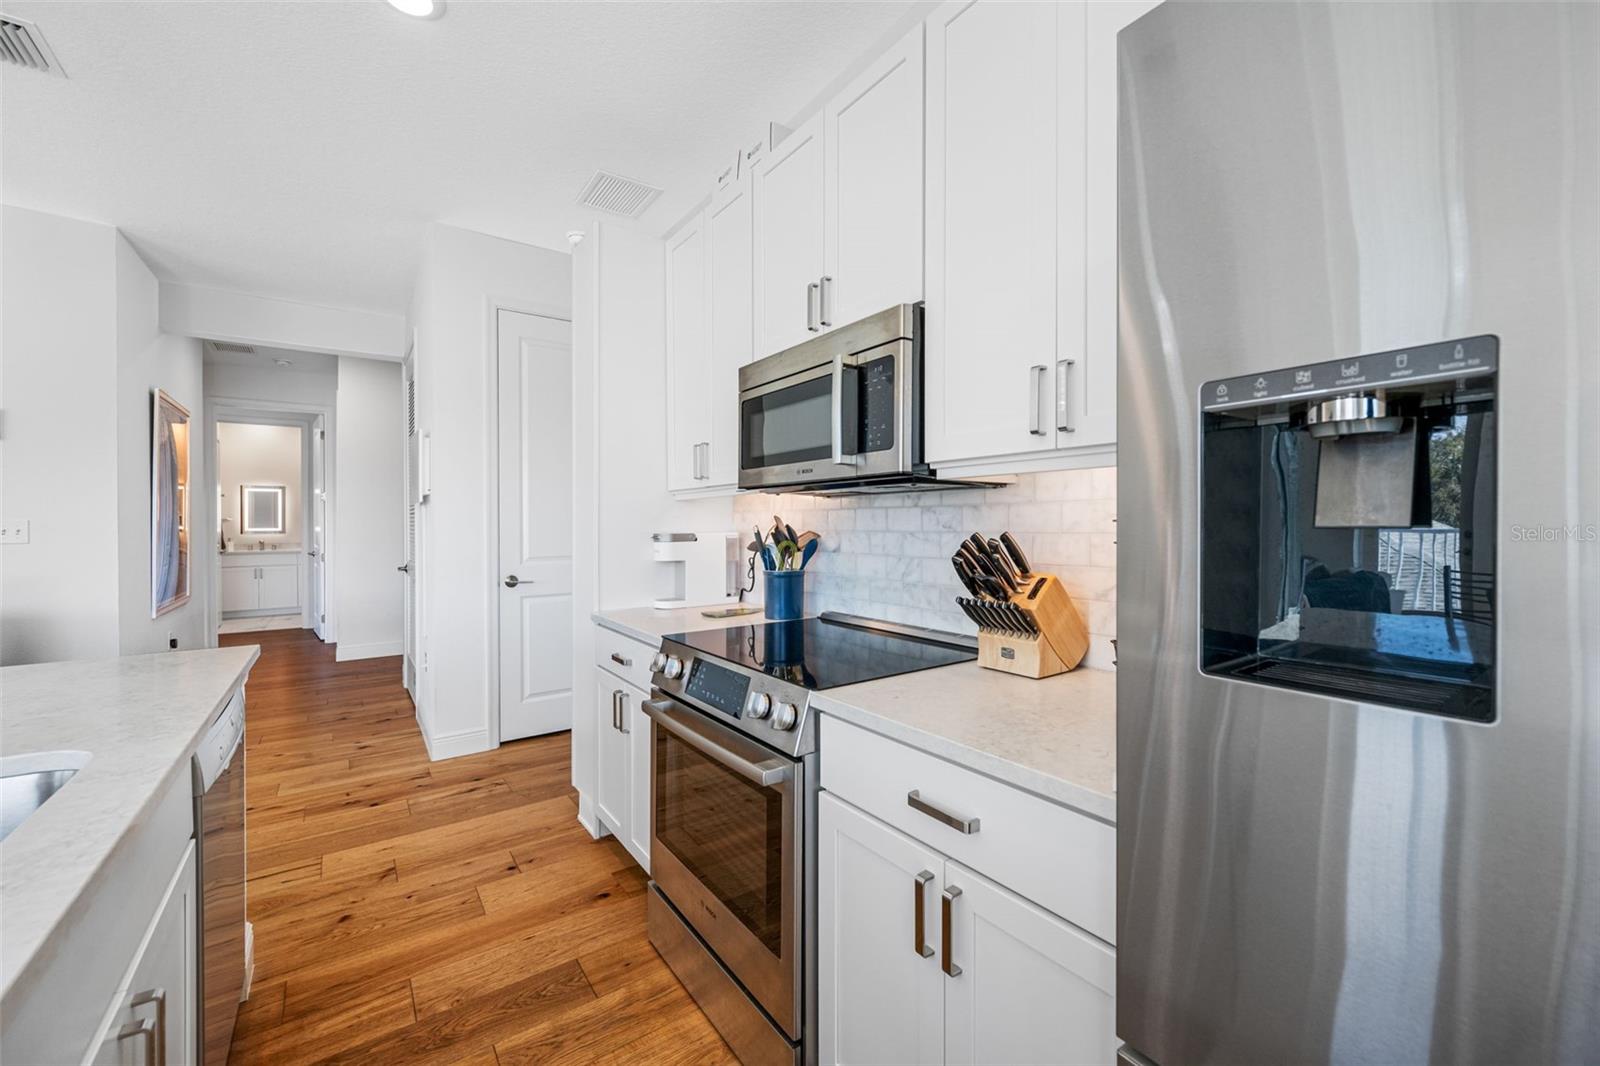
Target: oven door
(725, 849)
(846, 418)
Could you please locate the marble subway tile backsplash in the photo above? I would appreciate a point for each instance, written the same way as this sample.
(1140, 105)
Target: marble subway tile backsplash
(889, 556)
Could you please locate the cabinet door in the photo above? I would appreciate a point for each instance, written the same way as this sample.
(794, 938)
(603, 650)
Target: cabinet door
(1032, 988)
(730, 279)
(612, 797)
(239, 590)
(1092, 390)
(280, 587)
(787, 187)
(162, 987)
(872, 136)
(992, 204)
(687, 356)
(641, 801)
(880, 997)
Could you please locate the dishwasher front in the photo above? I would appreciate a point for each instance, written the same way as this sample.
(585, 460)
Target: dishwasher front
(219, 847)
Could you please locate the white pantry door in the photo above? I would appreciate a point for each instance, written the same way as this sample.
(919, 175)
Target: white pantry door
(318, 551)
(534, 579)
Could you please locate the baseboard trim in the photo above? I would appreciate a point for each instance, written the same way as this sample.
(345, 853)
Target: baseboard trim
(453, 745)
(344, 653)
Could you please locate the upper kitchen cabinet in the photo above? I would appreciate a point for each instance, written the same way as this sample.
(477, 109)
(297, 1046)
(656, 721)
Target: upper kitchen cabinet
(688, 357)
(838, 207)
(1011, 382)
(789, 255)
(872, 204)
(729, 279)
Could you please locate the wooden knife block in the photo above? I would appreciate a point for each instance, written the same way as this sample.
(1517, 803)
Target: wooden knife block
(1062, 642)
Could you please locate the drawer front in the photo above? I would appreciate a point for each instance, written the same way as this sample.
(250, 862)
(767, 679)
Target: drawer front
(1062, 860)
(627, 658)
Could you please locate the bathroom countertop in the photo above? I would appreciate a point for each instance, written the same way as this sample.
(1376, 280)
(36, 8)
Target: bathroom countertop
(138, 718)
(1055, 737)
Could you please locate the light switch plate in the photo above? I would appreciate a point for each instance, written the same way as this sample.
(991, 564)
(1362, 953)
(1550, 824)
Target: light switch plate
(14, 533)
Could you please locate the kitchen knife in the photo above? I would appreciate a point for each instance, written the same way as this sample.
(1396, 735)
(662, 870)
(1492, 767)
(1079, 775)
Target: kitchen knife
(991, 587)
(995, 566)
(1025, 623)
(964, 572)
(1000, 556)
(971, 609)
(1014, 550)
(991, 619)
(981, 563)
(964, 550)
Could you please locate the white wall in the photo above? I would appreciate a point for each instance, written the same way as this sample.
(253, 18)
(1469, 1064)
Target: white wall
(462, 278)
(81, 351)
(370, 536)
(251, 454)
(263, 380)
(58, 387)
(148, 359)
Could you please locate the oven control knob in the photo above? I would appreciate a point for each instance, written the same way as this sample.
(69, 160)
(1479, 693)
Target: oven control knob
(658, 662)
(673, 668)
(785, 716)
(759, 705)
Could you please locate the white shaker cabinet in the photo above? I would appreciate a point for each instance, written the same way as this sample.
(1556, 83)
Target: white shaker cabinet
(622, 733)
(279, 583)
(838, 231)
(1021, 262)
(238, 590)
(1032, 987)
(882, 992)
(789, 255)
(872, 204)
(614, 799)
(260, 581)
(730, 284)
(154, 1019)
(688, 357)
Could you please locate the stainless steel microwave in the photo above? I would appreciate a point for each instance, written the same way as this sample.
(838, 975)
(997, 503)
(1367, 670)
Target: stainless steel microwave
(839, 414)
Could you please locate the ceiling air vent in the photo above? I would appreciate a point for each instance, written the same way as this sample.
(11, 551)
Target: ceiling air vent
(22, 43)
(224, 346)
(618, 195)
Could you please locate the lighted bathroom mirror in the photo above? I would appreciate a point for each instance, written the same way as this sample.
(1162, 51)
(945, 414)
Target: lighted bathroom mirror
(169, 499)
(261, 508)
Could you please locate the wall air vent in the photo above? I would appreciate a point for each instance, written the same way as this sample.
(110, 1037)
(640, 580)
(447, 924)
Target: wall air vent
(241, 349)
(22, 43)
(618, 195)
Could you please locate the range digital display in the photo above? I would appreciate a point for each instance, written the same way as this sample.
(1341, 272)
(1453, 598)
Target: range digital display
(718, 687)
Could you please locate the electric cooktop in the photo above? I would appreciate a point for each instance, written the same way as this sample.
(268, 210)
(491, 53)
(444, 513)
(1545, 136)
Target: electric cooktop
(824, 653)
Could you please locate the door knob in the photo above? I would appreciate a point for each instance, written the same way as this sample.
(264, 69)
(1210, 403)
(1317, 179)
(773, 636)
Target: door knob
(404, 568)
(512, 581)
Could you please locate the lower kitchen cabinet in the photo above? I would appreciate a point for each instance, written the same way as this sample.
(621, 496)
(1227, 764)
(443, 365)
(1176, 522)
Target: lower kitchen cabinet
(154, 1017)
(622, 730)
(925, 959)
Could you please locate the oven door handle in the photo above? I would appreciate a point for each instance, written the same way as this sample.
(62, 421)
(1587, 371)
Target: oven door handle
(700, 735)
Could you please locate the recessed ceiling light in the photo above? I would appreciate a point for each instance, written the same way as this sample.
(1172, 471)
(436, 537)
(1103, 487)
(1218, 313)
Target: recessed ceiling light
(284, 362)
(420, 9)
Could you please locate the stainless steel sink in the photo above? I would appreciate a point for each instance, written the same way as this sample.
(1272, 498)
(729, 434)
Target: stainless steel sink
(27, 781)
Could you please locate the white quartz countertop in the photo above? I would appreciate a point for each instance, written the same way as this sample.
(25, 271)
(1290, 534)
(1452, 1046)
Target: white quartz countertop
(1055, 737)
(649, 625)
(139, 718)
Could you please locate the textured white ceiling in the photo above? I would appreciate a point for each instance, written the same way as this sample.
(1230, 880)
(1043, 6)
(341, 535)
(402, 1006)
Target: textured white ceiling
(297, 149)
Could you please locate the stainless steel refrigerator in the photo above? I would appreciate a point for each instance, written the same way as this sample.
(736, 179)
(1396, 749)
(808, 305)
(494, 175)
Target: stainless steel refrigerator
(1359, 534)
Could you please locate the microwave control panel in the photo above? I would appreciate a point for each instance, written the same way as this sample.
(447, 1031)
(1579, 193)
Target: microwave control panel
(877, 404)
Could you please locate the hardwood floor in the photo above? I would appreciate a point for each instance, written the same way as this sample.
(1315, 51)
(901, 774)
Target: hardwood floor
(452, 912)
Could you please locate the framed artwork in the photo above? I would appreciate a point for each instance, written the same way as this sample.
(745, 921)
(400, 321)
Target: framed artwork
(169, 499)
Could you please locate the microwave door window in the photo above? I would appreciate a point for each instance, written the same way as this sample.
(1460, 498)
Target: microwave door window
(790, 425)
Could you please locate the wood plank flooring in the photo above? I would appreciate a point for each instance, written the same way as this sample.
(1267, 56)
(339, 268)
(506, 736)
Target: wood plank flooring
(415, 912)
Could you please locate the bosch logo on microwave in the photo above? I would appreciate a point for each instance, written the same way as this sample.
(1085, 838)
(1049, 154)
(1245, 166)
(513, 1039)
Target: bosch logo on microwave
(804, 469)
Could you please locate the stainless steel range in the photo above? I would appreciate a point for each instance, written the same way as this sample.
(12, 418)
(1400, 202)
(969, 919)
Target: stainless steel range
(734, 788)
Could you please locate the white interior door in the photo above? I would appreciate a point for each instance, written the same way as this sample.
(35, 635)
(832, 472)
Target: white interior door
(535, 488)
(409, 568)
(317, 551)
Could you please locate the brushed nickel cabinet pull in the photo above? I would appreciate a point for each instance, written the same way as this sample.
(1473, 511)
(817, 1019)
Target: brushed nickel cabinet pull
(945, 901)
(158, 996)
(1036, 399)
(915, 801)
(622, 713)
(616, 709)
(145, 1028)
(919, 942)
(620, 661)
(1063, 400)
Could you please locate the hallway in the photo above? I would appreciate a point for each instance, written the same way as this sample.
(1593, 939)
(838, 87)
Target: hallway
(409, 911)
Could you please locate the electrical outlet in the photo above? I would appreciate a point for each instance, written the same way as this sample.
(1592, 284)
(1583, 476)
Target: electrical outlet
(172, 640)
(14, 532)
